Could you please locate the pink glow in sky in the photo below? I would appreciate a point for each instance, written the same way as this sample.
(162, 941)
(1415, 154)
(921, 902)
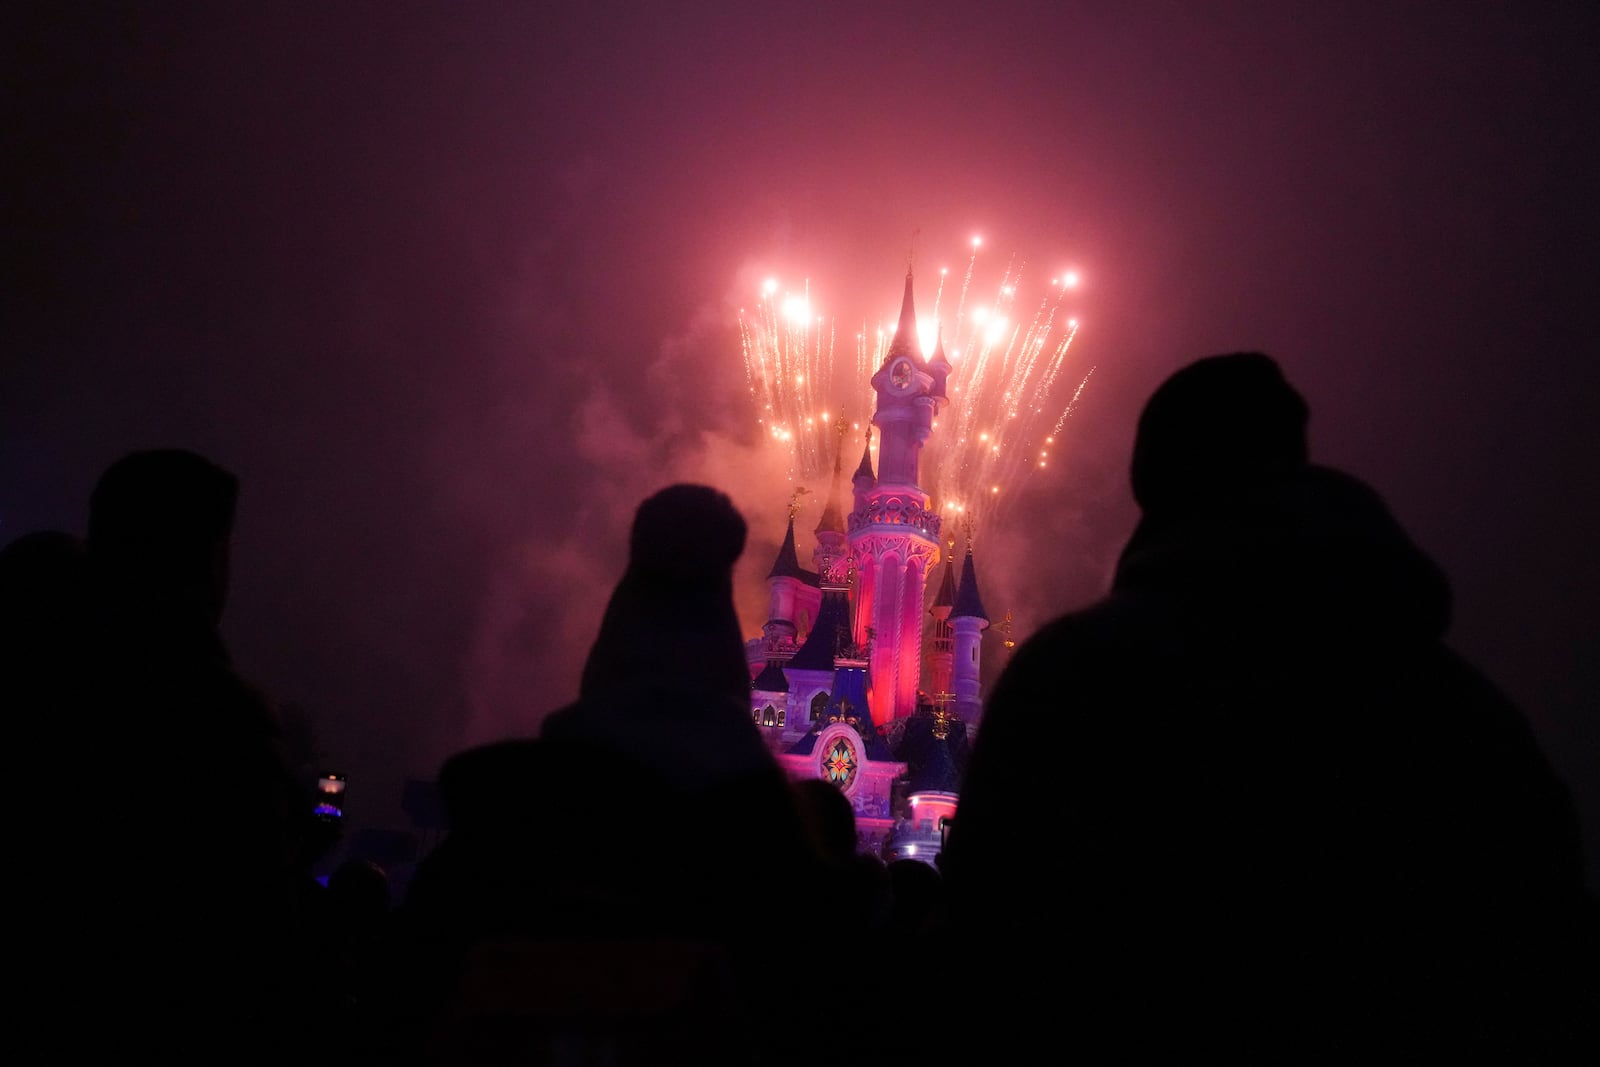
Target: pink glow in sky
(453, 287)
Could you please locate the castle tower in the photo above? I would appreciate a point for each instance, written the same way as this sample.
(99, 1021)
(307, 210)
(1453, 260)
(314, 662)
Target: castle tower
(793, 598)
(968, 621)
(831, 557)
(893, 537)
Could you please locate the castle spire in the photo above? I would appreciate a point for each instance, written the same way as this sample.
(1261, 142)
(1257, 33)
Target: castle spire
(865, 469)
(832, 519)
(787, 565)
(906, 342)
(969, 605)
(939, 366)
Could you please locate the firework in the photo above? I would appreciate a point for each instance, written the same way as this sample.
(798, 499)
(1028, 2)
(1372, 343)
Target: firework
(1002, 417)
(804, 404)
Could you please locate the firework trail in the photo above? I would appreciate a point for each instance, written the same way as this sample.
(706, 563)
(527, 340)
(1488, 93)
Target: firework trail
(789, 356)
(999, 424)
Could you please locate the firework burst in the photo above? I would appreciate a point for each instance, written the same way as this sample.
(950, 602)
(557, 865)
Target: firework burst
(1008, 353)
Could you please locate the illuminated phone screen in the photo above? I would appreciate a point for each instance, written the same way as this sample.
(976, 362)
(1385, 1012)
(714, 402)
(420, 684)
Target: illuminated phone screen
(330, 796)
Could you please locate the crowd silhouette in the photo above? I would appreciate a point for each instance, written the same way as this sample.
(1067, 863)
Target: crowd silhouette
(1250, 806)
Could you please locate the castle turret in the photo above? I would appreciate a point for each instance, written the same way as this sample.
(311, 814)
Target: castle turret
(793, 597)
(968, 620)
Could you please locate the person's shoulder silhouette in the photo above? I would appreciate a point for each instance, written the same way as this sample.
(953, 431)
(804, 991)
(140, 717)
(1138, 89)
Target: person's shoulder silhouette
(1259, 748)
(42, 617)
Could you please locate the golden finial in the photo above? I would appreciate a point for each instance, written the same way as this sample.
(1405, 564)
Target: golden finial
(1004, 629)
(794, 500)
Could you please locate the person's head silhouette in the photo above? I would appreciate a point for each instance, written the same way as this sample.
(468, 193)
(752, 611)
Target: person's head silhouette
(1215, 429)
(160, 524)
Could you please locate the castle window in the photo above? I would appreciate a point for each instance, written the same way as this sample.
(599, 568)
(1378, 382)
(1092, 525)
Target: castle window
(769, 716)
(781, 714)
(819, 704)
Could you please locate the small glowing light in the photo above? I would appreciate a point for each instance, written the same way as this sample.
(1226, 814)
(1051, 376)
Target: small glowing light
(996, 489)
(944, 270)
(770, 287)
(799, 379)
(976, 241)
(1044, 455)
(1072, 322)
(984, 436)
(825, 416)
(911, 850)
(795, 309)
(1071, 279)
(914, 801)
(1049, 440)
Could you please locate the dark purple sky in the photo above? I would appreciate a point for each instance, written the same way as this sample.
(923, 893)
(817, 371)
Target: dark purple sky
(452, 286)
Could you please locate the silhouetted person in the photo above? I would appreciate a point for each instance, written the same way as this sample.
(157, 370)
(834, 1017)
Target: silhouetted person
(42, 629)
(42, 580)
(1250, 804)
(610, 887)
(193, 842)
(41, 666)
(916, 914)
(351, 951)
(863, 884)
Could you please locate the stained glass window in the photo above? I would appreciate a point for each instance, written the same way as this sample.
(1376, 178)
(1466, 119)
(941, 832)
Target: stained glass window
(839, 762)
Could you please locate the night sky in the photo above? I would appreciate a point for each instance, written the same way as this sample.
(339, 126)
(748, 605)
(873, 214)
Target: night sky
(451, 287)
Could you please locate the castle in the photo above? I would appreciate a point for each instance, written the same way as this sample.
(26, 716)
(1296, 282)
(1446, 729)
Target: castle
(837, 671)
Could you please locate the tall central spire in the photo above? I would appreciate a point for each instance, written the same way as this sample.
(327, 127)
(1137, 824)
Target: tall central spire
(894, 536)
(905, 341)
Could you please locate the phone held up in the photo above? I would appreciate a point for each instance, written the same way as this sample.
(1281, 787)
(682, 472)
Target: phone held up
(330, 797)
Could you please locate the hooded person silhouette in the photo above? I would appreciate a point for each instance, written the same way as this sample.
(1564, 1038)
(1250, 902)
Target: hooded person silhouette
(1252, 793)
(665, 686)
(619, 858)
